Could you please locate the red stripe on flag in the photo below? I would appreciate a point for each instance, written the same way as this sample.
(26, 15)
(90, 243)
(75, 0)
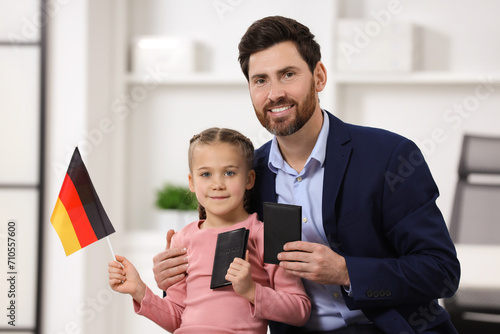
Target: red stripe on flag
(69, 197)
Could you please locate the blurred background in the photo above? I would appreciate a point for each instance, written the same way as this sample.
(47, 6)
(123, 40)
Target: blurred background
(130, 81)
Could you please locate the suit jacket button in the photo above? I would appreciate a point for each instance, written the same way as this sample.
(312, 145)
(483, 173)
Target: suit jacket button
(388, 293)
(375, 294)
(369, 293)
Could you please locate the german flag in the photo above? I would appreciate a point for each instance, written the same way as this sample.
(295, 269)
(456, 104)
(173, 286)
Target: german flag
(79, 217)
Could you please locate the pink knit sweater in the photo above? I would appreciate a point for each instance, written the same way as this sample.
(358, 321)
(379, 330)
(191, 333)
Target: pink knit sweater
(192, 307)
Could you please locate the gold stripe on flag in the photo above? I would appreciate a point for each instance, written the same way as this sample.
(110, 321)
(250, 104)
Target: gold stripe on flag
(64, 228)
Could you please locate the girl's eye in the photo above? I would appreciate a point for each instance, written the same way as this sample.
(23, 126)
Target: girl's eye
(230, 173)
(206, 174)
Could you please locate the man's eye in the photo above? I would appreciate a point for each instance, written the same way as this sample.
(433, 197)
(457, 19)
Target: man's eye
(289, 74)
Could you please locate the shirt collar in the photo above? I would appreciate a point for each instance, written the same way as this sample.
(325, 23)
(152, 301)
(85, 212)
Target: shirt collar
(276, 161)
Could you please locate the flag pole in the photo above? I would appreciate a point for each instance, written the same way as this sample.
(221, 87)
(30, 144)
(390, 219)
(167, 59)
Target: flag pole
(111, 248)
(113, 252)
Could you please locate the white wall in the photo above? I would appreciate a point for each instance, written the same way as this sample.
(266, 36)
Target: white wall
(64, 277)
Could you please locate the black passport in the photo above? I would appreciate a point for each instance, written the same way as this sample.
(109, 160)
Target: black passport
(282, 224)
(229, 245)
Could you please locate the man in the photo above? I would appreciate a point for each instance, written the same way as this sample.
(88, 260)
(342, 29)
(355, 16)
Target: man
(375, 251)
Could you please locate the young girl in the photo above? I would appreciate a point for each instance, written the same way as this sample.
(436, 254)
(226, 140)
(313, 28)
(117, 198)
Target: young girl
(220, 162)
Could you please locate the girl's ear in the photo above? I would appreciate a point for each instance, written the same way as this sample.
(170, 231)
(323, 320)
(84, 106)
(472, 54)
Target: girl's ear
(191, 183)
(250, 180)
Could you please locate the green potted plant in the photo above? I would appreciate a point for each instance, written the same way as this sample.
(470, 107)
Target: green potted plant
(177, 206)
(176, 198)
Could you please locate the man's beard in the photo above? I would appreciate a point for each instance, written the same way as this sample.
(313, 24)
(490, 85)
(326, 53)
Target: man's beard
(284, 126)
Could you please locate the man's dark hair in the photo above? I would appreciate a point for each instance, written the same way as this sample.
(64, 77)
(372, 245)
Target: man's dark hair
(271, 30)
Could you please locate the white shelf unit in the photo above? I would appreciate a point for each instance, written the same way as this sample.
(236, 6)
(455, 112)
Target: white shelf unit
(205, 79)
(417, 78)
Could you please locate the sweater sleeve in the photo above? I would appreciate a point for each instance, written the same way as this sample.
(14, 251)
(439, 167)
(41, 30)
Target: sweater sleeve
(165, 312)
(285, 301)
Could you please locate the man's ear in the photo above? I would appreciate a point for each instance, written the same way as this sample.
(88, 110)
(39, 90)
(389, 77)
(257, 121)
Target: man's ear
(320, 76)
(250, 180)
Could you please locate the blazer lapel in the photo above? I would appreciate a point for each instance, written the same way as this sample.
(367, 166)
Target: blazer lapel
(265, 184)
(269, 184)
(336, 161)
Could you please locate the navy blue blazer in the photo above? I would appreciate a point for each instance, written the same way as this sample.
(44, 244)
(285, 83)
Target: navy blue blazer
(380, 213)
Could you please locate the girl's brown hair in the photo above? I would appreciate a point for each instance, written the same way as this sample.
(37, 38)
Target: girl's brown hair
(228, 136)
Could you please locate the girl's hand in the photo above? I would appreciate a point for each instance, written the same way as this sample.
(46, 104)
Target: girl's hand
(239, 274)
(124, 278)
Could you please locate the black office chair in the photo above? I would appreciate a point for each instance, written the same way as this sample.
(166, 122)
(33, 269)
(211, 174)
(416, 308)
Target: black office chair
(476, 218)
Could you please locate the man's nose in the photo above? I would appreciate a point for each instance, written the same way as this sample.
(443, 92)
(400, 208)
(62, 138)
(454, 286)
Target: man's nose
(276, 91)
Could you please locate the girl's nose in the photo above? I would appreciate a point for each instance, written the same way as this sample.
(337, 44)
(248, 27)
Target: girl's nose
(218, 183)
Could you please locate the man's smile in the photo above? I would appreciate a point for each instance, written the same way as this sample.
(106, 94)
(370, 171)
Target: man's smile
(280, 109)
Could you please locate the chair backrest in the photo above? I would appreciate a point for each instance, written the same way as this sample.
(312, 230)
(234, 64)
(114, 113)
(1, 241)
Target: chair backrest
(476, 209)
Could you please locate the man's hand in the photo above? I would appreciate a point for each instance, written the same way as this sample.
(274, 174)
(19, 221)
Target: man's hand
(315, 262)
(170, 265)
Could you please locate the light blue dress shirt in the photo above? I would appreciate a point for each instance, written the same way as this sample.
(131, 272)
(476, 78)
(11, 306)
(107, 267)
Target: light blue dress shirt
(306, 189)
